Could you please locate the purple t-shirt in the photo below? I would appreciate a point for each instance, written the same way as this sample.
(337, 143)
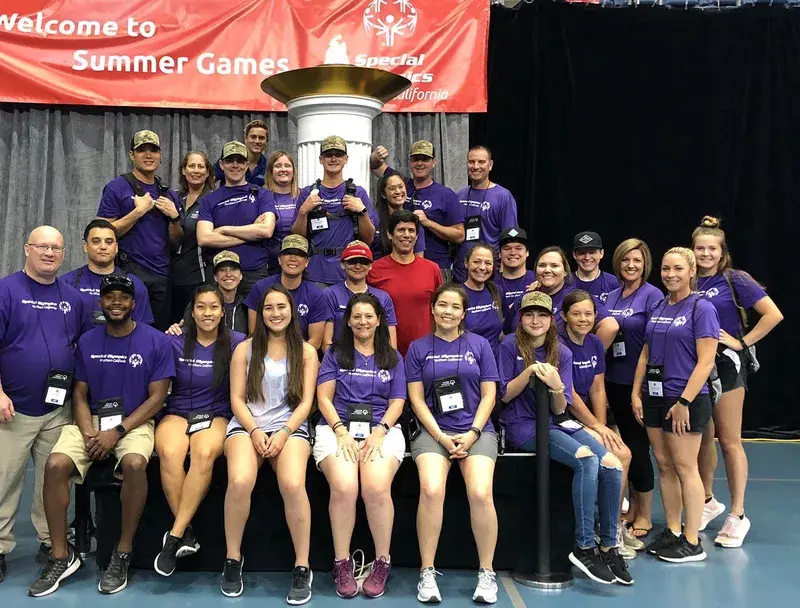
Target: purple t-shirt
(670, 336)
(718, 292)
(440, 205)
(631, 314)
(469, 357)
(147, 243)
(603, 285)
(239, 206)
(335, 300)
(39, 326)
(377, 247)
(364, 384)
(514, 289)
(482, 317)
(327, 268)
(588, 361)
(192, 389)
(497, 209)
(286, 209)
(519, 415)
(89, 288)
(512, 316)
(123, 367)
(307, 299)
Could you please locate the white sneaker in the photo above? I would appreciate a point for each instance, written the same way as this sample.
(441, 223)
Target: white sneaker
(733, 531)
(624, 550)
(711, 510)
(629, 539)
(427, 589)
(486, 591)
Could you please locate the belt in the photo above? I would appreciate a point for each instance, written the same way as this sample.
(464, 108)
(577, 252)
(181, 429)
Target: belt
(330, 251)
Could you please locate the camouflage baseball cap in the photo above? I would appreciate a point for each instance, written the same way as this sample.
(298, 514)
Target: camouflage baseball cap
(145, 137)
(422, 148)
(226, 257)
(334, 142)
(294, 243)
(536, 299)
(233, 148)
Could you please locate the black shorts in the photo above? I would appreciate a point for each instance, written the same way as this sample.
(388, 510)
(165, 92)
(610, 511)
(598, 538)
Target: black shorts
(610, 420)
(699, 413)
(727, 361)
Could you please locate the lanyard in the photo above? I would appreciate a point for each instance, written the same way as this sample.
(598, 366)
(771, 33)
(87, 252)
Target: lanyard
(483, 200)
(127, 358)
(39, 318)
(365, 359)
(433, 354)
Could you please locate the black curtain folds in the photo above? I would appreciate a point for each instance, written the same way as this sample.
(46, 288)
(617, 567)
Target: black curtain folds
(637, 122)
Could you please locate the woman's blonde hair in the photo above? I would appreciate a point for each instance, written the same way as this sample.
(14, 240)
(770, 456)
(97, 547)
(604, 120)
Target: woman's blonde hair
(273, 158)
(688, 255)
(624, 248)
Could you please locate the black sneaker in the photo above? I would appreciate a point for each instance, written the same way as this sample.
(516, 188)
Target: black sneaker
(43, 554)
(300, 592)
(231, 583)
(166, 561)
(683, 551)
(3, 567)
(55, 571)
(665, 539)
(115, 578)
(618, 567)
(189, 544)
(592, 564)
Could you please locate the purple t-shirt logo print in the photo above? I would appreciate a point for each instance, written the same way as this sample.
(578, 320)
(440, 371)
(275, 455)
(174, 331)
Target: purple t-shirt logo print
(680, 321)
(712, 292)
(302, 310)
(384, 376)
(470, 358)
(64, 307)
(135, 360)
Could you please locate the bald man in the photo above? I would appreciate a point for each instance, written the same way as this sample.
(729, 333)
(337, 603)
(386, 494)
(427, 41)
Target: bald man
(41, 319)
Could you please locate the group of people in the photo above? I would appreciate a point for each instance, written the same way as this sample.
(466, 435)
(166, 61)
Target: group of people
(303, 323)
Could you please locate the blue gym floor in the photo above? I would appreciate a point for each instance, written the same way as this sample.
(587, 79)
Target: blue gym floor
(766, 571)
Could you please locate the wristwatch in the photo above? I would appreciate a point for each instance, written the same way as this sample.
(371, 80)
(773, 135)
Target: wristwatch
(175, 220)
(120, 430)
(362, 212)
(476, 430)
(683, 401)
(384, 426)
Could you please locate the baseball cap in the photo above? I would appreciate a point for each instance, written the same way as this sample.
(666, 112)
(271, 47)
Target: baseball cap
(356, 250)
(294, 243)
(422, 148)
(145, 137)
(587, 240)
(515, 235)
(333, 142)
(536, 299)
(227, 258)
(233, 148)
(115, 282)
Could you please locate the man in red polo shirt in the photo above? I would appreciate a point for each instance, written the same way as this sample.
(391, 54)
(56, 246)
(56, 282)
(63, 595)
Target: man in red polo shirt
(408, 279)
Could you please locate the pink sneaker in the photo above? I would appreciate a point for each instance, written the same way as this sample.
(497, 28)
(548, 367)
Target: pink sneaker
(733, 531)
(711, 510)
(344, 577)
(375, 584)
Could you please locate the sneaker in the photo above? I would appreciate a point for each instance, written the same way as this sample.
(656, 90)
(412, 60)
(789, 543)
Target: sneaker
(733, 531)
(300, 591)
(115, 578)
(375, 584)
(615, 562)
(230, 583)
(629, 540)
(486, 590)
(189, 544)
(592, 564)
(344, 577)
(427, 589)
(43, 554)
(55, 571)
(711, 510)
(167, 559)
(683, 551)
(666, 538)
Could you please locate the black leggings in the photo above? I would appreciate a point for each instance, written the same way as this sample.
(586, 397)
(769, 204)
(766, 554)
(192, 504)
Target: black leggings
(634, 435)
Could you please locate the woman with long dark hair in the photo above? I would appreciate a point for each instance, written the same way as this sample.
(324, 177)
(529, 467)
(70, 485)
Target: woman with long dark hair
(273, 376)
(361, 392)
(392, 196)
(485, 308)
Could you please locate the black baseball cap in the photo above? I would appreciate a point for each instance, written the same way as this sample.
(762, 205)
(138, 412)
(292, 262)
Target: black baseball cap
(115, 282)
(514, 235)
(587, 240)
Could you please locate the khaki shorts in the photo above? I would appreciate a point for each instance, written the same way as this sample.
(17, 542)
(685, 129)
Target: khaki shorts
(138, 441)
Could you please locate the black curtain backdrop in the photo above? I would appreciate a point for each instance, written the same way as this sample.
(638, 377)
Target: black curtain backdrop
(638, 121)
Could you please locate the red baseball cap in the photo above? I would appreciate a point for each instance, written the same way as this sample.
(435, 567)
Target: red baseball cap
(356, 249)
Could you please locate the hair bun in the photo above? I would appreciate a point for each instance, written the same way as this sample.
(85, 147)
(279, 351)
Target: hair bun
(709, 221)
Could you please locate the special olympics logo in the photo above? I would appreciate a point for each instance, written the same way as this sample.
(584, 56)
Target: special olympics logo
(594, 361)
(302, 309)
(426, 204)
(390, 21)
(679, 321)
(485, 206)
(628, 312)
(135, 360)
(603, 297)
(470, 358)
(384, 376)
(712, 292)
(64, 307)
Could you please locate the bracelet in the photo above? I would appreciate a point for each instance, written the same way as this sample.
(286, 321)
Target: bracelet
(440, 437)
(476, 430)
(558, 391)
(743, 343)
(683, 401)
(253, 431)
(337, 425)
(384, 426)
(285, 428)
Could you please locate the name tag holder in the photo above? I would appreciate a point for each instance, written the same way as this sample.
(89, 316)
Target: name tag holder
(359, 420)
(59, 385)
(199, 421)
(318, 220)
(98, 318)
(618, 346)
(472, 229)
(449, 397)
(110, 413)
(655, 382)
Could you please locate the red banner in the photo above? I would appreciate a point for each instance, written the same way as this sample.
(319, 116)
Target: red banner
(190, 54)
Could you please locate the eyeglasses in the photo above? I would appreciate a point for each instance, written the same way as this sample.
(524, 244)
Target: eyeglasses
(41, 248)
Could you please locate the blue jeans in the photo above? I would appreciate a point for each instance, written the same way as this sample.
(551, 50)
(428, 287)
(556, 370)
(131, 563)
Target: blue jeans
(589, 475)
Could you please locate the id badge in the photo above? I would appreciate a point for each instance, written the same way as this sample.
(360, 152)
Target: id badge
(318, 220)
(472, 229)
(618, 346)
(571, 425)
(359, 420)
(199, 421)
(655, 381)
(448, 394)
(59, 384)
(98, 318)
(110, 413)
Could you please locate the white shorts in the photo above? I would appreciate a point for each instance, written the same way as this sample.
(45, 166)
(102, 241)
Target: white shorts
(394, 444)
